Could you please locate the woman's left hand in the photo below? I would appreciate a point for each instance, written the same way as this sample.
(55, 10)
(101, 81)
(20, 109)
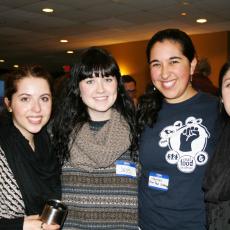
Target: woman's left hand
(50, 226)
(34, 222)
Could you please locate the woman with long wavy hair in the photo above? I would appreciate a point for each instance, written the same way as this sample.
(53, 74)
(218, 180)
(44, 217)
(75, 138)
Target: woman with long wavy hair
(216, 182)
(95, 139)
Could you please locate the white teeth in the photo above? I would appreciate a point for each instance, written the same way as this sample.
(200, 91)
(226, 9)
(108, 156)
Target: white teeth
(168, 84)
(34, 119)
(100, 98)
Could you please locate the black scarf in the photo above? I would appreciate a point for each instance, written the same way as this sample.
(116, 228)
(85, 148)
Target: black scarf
(36, 172)
(217, 178)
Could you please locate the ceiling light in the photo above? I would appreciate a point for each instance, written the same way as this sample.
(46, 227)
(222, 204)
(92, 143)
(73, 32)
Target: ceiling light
(1, 60)
(185, 3)
(183, 14)
(48, 10)
(69, 52)
(201, 20)
(64, 40)
(16, 66)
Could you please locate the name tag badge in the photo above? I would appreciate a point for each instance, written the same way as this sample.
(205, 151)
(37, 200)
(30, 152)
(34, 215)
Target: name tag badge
(125, 168)
(158, 181)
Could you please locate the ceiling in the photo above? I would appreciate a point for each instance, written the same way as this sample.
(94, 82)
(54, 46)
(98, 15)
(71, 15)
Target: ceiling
(29, 35)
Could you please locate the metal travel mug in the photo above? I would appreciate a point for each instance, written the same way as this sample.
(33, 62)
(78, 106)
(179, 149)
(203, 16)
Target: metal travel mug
(54, 212)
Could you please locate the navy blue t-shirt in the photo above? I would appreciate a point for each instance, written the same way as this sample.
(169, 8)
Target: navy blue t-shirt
(173, 155)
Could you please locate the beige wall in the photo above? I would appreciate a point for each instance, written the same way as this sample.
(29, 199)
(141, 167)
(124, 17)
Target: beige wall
(132, 59)
(214, 47)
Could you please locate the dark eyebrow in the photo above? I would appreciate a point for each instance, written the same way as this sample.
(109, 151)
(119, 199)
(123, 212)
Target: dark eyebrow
(45, 94)
(24, 94)
(28, 95)
(175, 58)
(154, 60)
(226, 79)
(171, 58)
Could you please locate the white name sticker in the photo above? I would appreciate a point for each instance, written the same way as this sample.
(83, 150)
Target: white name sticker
(125, 168)
(158, 181)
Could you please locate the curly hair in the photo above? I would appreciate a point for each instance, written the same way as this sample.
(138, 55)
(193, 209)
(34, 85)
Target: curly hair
(71, 113)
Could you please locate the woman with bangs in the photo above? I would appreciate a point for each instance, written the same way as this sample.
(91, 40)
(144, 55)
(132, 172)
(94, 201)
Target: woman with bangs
(94, 137)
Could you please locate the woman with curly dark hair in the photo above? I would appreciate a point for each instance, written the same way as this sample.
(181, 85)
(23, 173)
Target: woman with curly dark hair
(94, 137)
(217, 183)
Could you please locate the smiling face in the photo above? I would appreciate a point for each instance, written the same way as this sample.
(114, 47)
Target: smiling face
(226, 91)
(99, 94)
(30, 105)
(171, 70)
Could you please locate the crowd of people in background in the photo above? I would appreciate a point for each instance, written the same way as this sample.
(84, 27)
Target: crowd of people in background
(157, 162)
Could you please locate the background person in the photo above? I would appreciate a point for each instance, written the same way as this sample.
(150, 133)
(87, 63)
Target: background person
(216, 182)
(200, 80)
(177, 137)
(95, 140)
(29, 175)
(130, 87)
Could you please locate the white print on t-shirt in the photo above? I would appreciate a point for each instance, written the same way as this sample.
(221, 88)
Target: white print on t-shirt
(186, 144)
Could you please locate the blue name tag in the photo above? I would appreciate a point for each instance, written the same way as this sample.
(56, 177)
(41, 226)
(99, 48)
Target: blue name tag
(125, 168)
(158, 181)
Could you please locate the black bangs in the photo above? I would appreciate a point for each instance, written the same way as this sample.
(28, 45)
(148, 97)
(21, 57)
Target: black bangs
(97, 62)
(98, 71)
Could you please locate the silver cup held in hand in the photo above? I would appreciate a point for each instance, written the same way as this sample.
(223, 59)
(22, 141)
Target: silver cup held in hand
(54, 212)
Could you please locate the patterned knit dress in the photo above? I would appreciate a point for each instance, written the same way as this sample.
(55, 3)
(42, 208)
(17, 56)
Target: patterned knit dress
(99, 199)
